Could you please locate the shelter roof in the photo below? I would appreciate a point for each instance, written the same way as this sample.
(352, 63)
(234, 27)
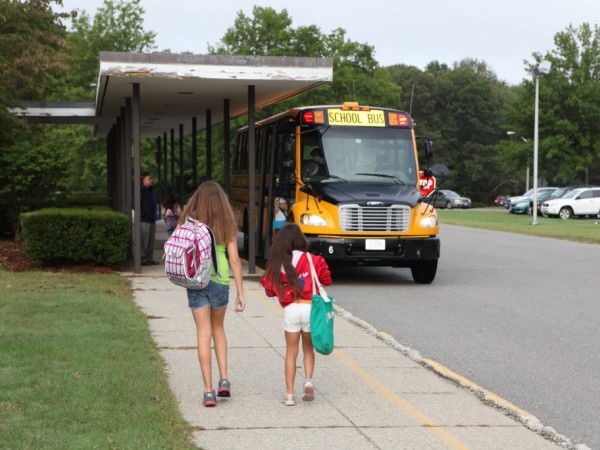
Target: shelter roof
(176, 87)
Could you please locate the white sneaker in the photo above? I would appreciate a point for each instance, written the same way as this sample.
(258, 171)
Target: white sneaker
(289, 400)
(309, 391)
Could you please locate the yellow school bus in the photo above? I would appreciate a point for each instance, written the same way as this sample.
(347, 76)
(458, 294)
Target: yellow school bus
(350, 176)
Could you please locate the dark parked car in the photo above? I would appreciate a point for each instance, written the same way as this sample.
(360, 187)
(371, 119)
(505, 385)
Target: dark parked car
(526, 205)
(447, 199)
(500, 200)
(528, 194)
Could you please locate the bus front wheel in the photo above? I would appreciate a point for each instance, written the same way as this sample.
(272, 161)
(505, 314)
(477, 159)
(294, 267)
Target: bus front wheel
(423, 272)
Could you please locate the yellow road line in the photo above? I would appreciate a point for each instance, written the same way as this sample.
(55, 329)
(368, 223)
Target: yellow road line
(414, 413)
(444, 371)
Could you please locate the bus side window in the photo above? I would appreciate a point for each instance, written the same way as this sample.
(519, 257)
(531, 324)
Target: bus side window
(285, 153)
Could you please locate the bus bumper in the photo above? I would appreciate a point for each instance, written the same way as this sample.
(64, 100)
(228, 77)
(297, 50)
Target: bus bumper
(399, 252)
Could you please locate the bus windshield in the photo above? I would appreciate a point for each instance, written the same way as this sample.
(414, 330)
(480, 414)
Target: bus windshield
(361, 154)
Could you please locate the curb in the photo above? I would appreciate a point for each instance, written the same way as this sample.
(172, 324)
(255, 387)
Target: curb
(528, 420)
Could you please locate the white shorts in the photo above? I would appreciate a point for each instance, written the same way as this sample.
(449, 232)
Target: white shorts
(296, 317)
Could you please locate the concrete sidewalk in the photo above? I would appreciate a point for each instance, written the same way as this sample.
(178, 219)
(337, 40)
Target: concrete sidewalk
(369, 395)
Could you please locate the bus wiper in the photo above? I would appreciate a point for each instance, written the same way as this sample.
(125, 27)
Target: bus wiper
(398, 180)
(336, 178)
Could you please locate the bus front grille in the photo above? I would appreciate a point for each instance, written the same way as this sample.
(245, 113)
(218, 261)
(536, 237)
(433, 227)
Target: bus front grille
(374, 218)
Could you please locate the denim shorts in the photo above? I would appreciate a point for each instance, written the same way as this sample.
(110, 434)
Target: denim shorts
(215, 295)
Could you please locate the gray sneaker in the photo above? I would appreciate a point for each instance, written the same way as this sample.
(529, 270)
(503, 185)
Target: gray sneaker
(224, 388)
(289, 400)
(309, 391)
(210, 399)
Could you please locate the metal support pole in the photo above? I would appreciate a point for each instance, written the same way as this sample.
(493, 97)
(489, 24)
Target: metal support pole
(109, 169)
(226, 148)
(181, 174)
(129, 194)
(208, 145)
(251, 181)
(194, 153)
(159, 164)
(117, 166)
(165, 161)
(125, 207)
(137, 185)
(173, 161)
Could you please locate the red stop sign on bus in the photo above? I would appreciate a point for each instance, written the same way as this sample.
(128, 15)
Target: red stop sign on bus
(427, 184)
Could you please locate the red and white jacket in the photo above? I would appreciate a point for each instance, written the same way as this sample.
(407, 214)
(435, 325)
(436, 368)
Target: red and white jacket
(302, 266)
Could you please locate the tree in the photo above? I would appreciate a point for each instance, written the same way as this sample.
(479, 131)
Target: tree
(31, 40)
(116, 26)
(31, 58)
(569, 123)
(356, 75)
(460, 109)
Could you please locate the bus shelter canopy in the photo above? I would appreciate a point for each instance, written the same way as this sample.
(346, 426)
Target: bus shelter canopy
(176, 87)
(141, 95)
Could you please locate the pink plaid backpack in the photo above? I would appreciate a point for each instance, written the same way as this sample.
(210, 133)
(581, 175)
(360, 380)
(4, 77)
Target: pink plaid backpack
(189, 255)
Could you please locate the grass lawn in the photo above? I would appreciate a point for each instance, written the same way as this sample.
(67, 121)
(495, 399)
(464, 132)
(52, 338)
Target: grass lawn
(78, 368)
(582, 230)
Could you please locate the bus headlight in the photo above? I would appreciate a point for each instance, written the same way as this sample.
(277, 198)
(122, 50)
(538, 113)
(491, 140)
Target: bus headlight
(312, 220)
(429, 222)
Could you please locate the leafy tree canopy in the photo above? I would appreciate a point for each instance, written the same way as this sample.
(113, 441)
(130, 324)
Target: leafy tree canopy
(31, 59)
(31, 44)
(569, 108)
(117, 26)
(460, 108)
(356, 77)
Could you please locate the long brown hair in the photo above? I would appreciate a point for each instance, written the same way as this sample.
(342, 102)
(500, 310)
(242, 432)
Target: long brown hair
(288, 239)
(210, 205)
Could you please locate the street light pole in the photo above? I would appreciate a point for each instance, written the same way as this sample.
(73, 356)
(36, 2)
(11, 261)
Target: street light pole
(542, 68)
(535, 148)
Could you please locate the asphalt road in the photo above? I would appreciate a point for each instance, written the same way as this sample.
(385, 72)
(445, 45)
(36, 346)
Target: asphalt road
(516, 314)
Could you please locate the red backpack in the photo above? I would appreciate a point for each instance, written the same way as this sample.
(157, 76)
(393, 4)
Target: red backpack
(190, 254)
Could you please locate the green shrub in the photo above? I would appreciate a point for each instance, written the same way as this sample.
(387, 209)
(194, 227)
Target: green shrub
(55, 235)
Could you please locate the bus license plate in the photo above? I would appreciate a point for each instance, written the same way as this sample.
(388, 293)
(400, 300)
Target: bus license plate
(374, 244)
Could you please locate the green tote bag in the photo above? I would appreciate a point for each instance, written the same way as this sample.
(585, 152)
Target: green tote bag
(321, 315)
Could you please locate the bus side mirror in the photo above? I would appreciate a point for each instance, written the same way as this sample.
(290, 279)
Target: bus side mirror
(439, 171)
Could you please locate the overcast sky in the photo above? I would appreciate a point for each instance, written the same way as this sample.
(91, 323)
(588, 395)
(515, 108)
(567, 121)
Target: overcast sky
(501, 33)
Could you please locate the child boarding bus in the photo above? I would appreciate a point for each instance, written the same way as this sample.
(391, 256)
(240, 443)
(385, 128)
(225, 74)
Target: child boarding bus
(349, 177)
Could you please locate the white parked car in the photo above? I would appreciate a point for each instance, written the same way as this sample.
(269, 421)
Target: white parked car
(578, 202)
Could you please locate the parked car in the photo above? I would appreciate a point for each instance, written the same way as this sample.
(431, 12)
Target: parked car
(562, 191)
(528, 194)
(447, 199)
(578, 202)
(526, 205)
(500, 200)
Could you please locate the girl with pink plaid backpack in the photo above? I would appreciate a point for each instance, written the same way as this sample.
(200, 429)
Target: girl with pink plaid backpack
(210, 205)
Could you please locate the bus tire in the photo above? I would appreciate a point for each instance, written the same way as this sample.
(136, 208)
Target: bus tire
(423, 272)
